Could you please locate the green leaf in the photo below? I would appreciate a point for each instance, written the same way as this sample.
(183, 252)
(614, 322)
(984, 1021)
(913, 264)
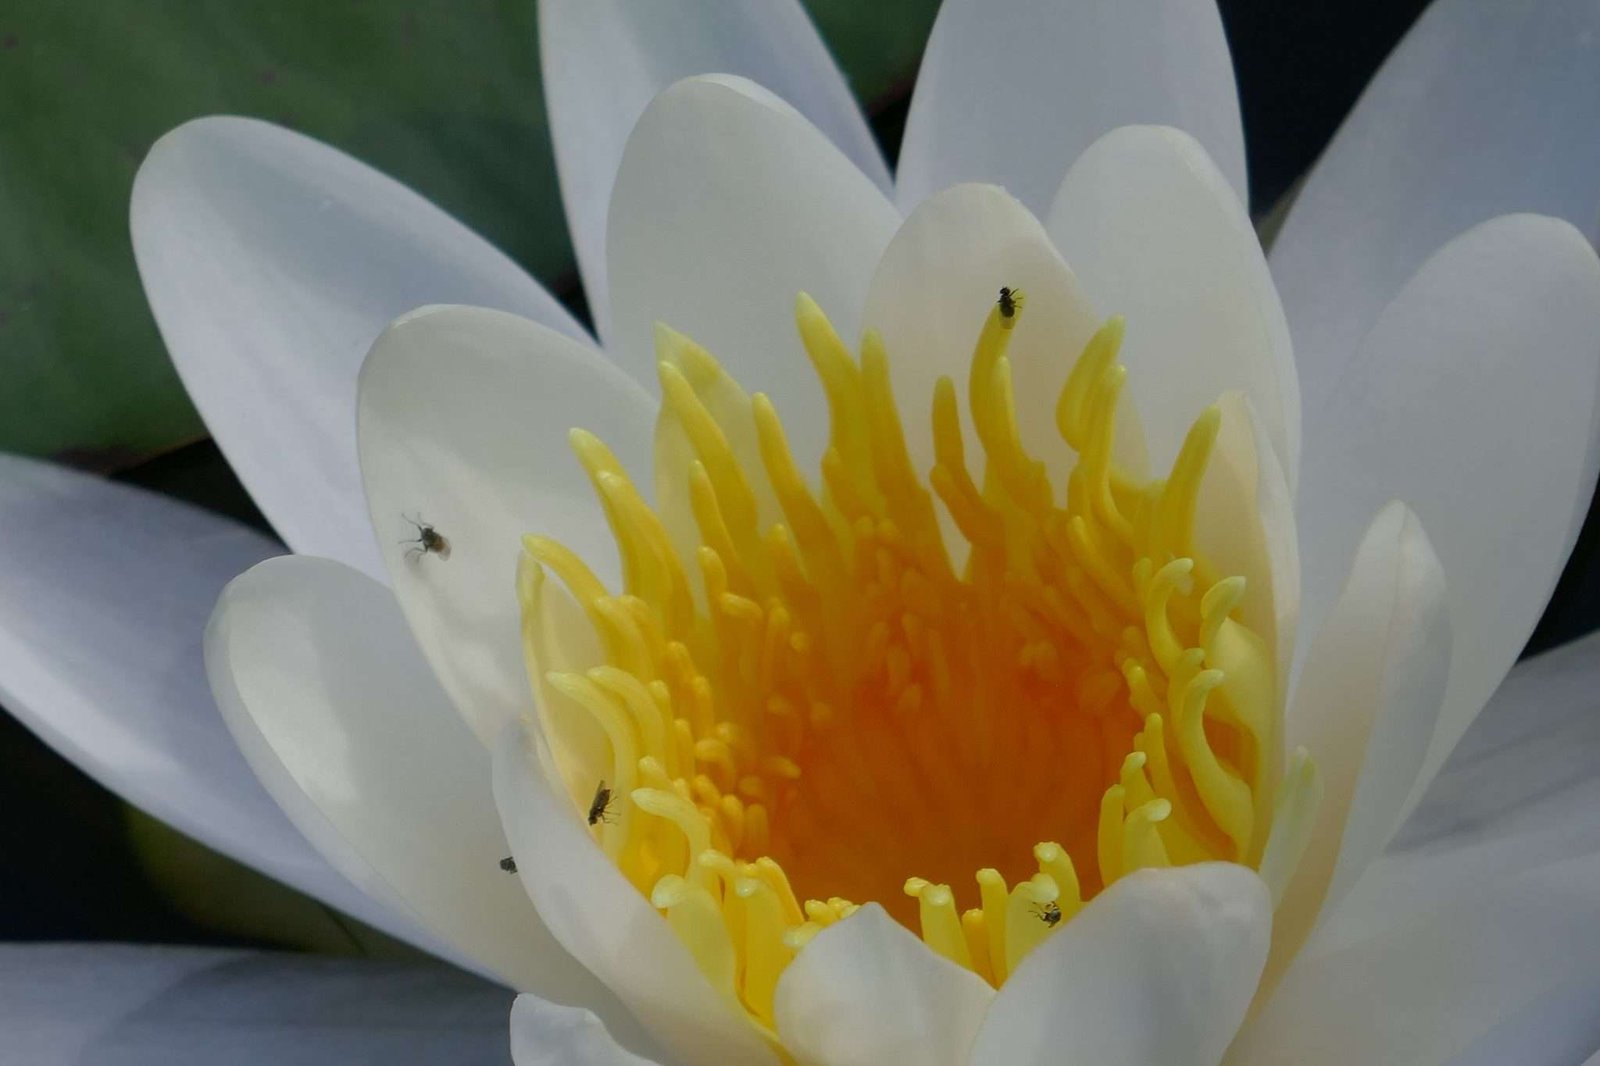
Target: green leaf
(878, 44)
(443, 96)
(233, 903)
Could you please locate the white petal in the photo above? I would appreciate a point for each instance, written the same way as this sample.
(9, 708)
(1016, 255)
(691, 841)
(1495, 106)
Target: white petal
(104, 594)
(271, 261)
(606, 924)
(548, 1034)
(603, 60)
(1156, 234)
(1365, 708)
(1530, 765)
(337, 714)
(1010, 91)
(1488, 955)
(1554, 1030)
(1521, 790)
(1485, 108)
(75, 1004)
(1244, 525)
(728, 204)
(1474, 402)
(865, 991)
(464, 416)
(1155, 971)
(937, 282)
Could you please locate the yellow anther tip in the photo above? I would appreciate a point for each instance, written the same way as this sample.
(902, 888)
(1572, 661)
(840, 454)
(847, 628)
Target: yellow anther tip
(797, 938)
(1157, 810)
(1040, 888)
(668, 892)
(915, 886)
(667, 339)
(669, 374)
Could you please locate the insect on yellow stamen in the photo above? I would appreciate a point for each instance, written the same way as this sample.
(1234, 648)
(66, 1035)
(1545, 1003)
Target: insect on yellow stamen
(805, 702)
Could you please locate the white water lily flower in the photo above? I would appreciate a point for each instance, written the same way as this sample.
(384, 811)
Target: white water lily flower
(1097, 738)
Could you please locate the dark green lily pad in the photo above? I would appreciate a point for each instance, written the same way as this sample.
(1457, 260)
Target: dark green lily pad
(444, 96)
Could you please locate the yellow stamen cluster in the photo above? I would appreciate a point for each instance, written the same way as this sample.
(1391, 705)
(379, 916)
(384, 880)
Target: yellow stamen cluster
(803, 698)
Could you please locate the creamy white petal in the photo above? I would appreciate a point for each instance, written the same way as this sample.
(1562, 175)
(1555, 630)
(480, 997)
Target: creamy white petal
(1244, 525)
(104, 593)
(1473, 400)
(603, 61)
(1156, 971)
(1487, 955)
(1555, 1030)
(548, 1034)
(337, 714)
(1485, 108)
(464, 419)
(1010, 91)
(1520, 791)
(137, 1005)
(1530, 762)
(937, 281)
(727, 205)
(865, 991)
(271, 262)
(1364, 708)
(1155, 233)
(605, 923)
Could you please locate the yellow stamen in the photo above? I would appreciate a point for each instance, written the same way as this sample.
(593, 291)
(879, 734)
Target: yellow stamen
(831, 702)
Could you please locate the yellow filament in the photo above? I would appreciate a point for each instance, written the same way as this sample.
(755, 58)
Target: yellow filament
(810, 698)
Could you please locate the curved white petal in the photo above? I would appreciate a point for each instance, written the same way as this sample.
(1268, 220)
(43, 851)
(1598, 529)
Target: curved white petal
(938, 280)
(464, 418)
(1010, 91)
(1554, 1030)
(104, 594)
(337, 714)
(727, 205)
(605, 923)
(1156, 234)
(1485, 108)
(1486, 956)
(1529, 764)
(1521, 790)
(136, 1005)
(548, 1034)
(1474, 401)
(1156, 971)
(1244, 526)
(603, 61)
(865, 991)
(1364, 708)
(271, 261)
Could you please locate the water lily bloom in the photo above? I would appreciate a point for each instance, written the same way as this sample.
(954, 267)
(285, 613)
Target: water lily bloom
(947, 620)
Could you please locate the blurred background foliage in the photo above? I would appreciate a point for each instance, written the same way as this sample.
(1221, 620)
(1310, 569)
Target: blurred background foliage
(444, 95)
